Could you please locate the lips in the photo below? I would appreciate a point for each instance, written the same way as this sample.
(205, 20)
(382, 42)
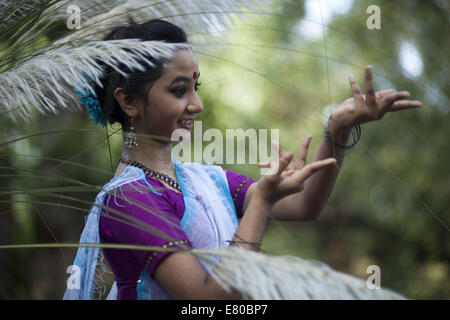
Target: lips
(187, 123)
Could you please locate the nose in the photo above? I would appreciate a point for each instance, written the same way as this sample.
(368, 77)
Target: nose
(195, 105)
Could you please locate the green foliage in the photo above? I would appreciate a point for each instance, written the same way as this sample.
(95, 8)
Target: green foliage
(390, 204)
(389, 207)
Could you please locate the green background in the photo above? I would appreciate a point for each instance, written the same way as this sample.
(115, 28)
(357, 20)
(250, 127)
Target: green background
(390, 204)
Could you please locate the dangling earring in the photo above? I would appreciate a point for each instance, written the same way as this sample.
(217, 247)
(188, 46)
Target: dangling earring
(130, 140)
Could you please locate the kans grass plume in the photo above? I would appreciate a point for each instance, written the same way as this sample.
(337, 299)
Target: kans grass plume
(36, 72)
(266, 277)
(39, 74)
(46, 81)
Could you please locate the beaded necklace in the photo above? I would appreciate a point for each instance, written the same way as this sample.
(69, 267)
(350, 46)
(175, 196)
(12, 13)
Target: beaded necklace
(152, 173)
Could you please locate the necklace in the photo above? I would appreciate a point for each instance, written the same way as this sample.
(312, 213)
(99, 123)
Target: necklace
(152, 173)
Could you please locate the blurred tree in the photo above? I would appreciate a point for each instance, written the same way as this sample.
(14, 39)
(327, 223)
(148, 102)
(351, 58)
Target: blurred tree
(390, 203)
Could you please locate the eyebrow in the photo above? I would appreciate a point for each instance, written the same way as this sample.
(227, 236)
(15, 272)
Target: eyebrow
(185, 79)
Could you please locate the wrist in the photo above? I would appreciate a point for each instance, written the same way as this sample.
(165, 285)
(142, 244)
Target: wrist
(338, 132)
(261, 200)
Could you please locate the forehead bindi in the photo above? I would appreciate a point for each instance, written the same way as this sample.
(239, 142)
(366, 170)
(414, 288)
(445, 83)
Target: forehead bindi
(183, 65)
(184, 78)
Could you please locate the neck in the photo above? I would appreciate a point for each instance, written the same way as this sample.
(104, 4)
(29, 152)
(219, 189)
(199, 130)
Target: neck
(153, 154)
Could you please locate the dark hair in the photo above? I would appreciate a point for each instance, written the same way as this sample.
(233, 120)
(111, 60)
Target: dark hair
(138, 82)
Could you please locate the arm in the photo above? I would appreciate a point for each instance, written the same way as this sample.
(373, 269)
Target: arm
(198, 285)
(309, 203)
(373, 106)
(271, 188)
(179, 273)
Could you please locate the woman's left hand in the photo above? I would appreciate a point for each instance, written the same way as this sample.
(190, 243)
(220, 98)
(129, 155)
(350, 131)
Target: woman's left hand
(372, 106)
(357, 110)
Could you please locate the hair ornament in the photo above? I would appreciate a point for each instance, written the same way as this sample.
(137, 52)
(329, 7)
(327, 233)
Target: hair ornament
(91, 103)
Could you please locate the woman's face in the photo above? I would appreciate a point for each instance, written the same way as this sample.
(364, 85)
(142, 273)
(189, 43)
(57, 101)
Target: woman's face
(172, 98)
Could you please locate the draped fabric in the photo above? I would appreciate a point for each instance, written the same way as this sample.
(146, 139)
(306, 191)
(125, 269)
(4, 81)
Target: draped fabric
(209, 221)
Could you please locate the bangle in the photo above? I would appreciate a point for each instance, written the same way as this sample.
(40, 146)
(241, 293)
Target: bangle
(356, 135)
(255, 245)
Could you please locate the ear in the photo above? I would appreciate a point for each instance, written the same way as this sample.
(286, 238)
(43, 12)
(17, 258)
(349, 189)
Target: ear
(129, 104)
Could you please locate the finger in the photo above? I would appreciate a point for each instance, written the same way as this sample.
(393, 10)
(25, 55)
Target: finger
(282, 153)
(277, 146)
(276, 168)
(303, 152)
(388, 100)
(285, 159)
(356, 91)
(264, 164)
(382, 93)
(312, 168)
(405, 104)
(370, 90)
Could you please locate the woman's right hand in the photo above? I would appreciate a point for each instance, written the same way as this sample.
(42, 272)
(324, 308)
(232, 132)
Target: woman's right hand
(283, 178)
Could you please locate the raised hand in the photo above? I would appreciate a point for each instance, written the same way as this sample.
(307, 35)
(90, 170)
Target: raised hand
(371, 106)
(284, 177)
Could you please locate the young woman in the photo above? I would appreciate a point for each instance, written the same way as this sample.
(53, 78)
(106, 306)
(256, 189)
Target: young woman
(154, 200)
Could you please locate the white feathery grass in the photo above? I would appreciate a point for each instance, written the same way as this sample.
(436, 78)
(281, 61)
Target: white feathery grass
(265, 277)
(18, 8)
(55, 73)
(12, 11)
(200, 16)
(88, 8)
(46, 79)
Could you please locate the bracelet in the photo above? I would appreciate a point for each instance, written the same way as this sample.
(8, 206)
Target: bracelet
(256, 245)
(356, 135)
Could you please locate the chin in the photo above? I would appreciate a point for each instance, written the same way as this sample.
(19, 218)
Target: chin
(180, 134)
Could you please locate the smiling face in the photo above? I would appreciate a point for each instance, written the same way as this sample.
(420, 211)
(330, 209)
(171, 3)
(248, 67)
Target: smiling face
(172, 99)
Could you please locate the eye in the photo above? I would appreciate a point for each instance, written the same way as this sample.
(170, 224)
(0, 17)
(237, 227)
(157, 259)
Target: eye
(197, 84)
(179, 91)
